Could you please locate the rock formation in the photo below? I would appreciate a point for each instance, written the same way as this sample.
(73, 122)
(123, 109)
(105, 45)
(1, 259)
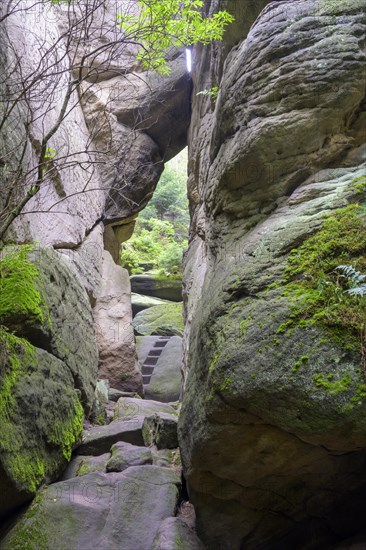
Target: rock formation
(272, 429)
(108, 153)
(102, 163)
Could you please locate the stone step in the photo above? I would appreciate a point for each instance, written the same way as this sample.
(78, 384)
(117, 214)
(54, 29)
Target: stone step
(161, 343)
(151, 361)
(147, 369)
(146, 378)
(155, 352)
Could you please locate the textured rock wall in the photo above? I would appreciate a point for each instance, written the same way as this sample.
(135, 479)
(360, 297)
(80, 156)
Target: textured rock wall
(122, 125)
(272, 429)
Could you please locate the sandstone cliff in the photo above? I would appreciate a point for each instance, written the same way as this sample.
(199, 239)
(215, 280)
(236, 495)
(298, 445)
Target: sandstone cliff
(272, 429)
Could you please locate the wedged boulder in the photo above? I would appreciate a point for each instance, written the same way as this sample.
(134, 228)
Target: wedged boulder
(83, 465)
(174, 534)
(98, 440)
(113, 318)
(165, 288)
(129, 408)
(161, 430)
(141, 302)
(116, 510)
(125, 455)
(164, 320)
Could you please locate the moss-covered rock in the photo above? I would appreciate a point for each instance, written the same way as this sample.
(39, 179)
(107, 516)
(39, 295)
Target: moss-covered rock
(48, 363)
(164, 320)
(96, 510)
(41, 422)
(277, 372)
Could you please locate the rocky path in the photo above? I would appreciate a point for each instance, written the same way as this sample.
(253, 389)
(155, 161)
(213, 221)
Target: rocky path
(122, 489)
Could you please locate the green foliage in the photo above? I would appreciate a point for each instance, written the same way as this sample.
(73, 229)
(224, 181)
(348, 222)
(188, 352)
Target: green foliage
(212, 92)
(161, 231)
(19, 295)
(355, 280)
(162, 24)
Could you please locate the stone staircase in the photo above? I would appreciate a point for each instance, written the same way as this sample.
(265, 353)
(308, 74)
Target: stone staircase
(152, 358)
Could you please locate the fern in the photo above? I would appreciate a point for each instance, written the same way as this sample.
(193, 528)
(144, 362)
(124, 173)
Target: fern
(355, 280)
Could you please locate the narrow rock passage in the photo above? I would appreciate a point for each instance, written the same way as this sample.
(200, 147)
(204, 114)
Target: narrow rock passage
(120, 491)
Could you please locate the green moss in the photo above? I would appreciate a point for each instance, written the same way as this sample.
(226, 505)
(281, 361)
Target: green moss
(16, 355)
(214, 362)
(66, 432)
(29, 533)
(226, 384)
(13, 351)
(359, 184)
(83, 469)
(100, 419)
(19, 295)
(244, 325)
(333, 387)
(313, 285)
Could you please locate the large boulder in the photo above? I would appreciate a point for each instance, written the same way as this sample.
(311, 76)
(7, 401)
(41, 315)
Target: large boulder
(116, 510)
(272, 428)
(113, 320)
(48, 368)
(164, 320)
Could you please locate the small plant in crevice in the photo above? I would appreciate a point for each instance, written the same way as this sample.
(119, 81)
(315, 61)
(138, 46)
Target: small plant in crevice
(354, 279)
(211, 92)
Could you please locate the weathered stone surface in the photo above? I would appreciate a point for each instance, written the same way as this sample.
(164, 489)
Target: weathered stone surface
(83, 465)
(166, 288)
(60, 215)
(272, 427)
(113, 318)
(174, 534)
(129, 407)
(99, 439)
(87, 258)
(161, 430)
(141, 302)
(116, 510)
(125, 455)
(164, 320)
